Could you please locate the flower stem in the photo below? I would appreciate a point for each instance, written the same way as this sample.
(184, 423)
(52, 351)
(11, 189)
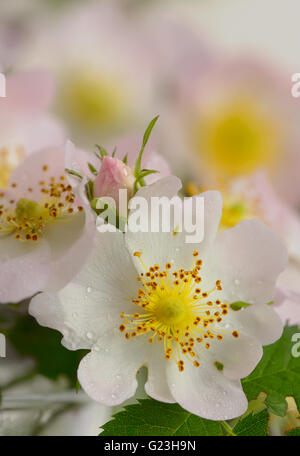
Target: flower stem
(227, 428)
(22, 378)
(11, 401)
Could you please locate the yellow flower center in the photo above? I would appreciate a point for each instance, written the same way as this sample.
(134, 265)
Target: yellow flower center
(238, 138)
(176, 311)
(90, 101)
(10, 158)
(28, 219)
(236, 211)
(235, 208)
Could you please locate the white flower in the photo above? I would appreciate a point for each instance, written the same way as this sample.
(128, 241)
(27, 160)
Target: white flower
(150, 299)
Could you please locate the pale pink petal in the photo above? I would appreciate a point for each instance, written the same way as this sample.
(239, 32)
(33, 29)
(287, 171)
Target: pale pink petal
(158, 163)
(30, 172)
(43, 132)
(71, 243)
(24, 269)
(287, 305)
(77, 160)
(27, 93)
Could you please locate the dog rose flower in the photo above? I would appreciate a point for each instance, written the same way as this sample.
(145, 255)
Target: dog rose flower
(151, 299)
(45, 233)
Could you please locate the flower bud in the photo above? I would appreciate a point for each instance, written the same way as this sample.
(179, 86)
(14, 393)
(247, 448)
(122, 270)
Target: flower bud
(113, 176)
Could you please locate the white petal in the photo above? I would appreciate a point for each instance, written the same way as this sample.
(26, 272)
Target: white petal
(92, 303)
(206, 392)
(75, 312)
(24, 268)
(156, 385)
(260, 322)
(163, 247)
(239, 356)
(168, 186)
(108, 372)
(248, 259)
(110, 271)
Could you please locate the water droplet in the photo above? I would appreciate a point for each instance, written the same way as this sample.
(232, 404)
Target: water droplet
(89, 335)
(113, 396)
(89, 289)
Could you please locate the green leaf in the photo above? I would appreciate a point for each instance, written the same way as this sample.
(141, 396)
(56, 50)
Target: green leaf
(277, 374)
(73, 173)
(153, 418)
(146, 172)
(238, 305)
(125, 159)
(149, 130)
(44, 345)
(89, 188)
(146, 136)
(253, 424)
(103, 152)
(92, 169)
(293, 432)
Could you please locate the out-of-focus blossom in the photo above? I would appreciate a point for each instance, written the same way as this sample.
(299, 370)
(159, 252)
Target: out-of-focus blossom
(45, 233)
(287, 305)
(191, 286)
(281, 425)
(254, 197)
(82, 420)
(237, 117)
(39, 406)
(104, 80)
(26, 126)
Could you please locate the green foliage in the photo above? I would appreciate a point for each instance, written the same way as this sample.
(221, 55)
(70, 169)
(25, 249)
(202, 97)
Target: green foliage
(139, 173)
(277, 374)
(150, 417)
(294, 432)
(253, 424)
(92, 169)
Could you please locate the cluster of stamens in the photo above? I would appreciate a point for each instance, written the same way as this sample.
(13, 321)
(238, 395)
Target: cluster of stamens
(28, 218)
(175, 311)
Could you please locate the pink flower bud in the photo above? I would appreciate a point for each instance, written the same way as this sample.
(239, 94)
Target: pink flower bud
(113, 176)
